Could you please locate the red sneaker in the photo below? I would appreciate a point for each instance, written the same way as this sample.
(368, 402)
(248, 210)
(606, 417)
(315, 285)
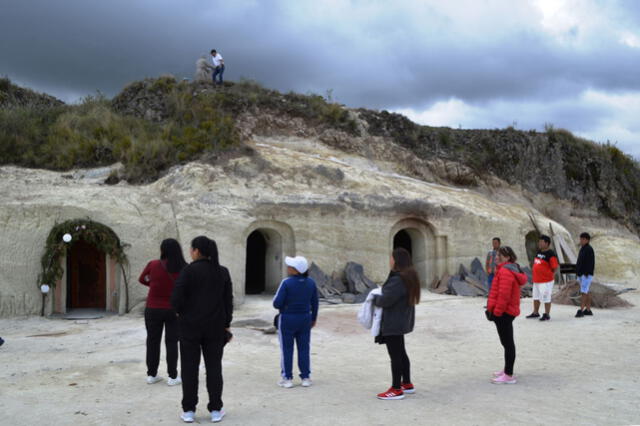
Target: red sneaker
(391, 394)
(408, 388)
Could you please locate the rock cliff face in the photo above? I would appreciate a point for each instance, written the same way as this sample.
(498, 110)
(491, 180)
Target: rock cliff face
(316, 179)
(554, 162)
(301, 195)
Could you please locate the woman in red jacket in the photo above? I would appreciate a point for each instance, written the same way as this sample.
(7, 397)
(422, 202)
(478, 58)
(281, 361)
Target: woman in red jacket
(160, 276)
(504, 306)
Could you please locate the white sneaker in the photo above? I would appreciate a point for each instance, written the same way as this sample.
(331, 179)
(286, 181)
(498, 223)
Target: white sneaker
(174, 382)
(153, 379)
(306, 382)
(217, 416)
(285, 383)
(188, 416)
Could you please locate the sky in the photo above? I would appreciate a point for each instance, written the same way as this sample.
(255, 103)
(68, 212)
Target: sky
(572, 64)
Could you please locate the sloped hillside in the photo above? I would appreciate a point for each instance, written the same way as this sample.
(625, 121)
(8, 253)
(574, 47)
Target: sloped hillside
(12, 96)
(157, 123)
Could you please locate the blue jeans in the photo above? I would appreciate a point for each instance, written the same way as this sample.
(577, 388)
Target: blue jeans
(295, 327)
(218, 71)
(489, 281)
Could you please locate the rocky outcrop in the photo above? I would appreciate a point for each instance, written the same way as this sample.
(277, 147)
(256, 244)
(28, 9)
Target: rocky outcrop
(12, 96)
(554, 162)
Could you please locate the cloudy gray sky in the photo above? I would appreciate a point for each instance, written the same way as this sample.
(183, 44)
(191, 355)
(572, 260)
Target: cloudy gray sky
(460, 63)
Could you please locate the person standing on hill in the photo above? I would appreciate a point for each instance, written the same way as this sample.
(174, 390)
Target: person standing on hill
(585, 267)
(503, 307)
(544, 271)
(297, 301)
(203, 299)
(218, 66)
(490, 264)
(160, 276)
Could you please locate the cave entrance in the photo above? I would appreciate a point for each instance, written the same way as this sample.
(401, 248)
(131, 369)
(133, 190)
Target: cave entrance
(263, 268)
(413, 240)
(255, 270)
(403, 239)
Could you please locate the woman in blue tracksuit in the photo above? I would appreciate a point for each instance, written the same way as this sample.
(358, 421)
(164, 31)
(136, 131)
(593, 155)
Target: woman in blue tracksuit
(297, 301)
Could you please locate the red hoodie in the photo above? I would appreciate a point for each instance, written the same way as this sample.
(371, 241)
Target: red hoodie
(505, 290)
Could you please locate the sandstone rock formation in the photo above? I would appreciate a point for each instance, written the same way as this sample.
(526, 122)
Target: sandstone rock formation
(346, 185)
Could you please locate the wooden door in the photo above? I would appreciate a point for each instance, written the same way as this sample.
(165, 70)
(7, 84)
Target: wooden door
(88, 277)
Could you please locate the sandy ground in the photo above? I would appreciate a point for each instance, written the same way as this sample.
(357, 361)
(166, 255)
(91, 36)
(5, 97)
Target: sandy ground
(570, 371)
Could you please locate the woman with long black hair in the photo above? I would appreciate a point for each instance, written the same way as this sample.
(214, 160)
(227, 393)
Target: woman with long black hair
(400, 294)
(203, 298)
(160, 276)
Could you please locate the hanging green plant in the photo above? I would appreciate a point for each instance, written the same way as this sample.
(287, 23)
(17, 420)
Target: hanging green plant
(65, 234)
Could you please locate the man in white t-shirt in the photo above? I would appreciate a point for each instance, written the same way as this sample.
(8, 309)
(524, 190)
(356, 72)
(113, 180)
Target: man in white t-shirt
(218, 66)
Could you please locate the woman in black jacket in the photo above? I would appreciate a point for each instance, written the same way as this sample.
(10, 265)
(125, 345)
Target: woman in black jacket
(400, 294)
(203, 299)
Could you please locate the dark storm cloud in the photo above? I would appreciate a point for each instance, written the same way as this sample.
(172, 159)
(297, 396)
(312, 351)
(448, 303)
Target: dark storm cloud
(78, 46)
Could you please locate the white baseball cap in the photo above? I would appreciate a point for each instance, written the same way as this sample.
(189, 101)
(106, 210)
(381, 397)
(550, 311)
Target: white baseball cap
(298, 263)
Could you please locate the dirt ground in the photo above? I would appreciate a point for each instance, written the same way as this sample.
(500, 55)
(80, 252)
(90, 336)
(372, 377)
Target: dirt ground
(570, 371)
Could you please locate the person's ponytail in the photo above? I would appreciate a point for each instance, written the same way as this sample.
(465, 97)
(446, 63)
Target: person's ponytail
(213, 254)
(209, 249)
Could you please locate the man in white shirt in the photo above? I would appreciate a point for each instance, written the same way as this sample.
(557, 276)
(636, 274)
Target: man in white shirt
(218, 65)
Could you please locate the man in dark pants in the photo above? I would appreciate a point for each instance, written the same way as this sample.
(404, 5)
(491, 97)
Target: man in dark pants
(584, 270)
(490, 263)
(218, 66)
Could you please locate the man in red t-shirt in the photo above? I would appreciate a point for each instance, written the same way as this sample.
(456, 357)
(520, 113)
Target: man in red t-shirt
(544, 271)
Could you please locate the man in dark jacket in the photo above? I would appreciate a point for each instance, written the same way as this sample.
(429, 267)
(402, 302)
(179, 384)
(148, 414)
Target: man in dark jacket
(584, 270)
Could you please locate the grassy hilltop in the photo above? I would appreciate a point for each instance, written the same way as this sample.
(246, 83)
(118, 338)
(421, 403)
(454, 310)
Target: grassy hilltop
(157, 123)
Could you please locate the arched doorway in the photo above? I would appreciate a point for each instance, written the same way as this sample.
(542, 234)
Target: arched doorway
(417, 237)
(255, 268)
(86, 277)
(531, 245)
(267, 242)
(403, 239)
(84, 264)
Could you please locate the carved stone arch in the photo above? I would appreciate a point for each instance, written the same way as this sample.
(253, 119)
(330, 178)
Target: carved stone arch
(266, 244)
(86, 268)
(417, 236)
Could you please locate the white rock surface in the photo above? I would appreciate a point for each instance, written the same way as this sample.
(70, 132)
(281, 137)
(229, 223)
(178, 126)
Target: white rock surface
(327, 205)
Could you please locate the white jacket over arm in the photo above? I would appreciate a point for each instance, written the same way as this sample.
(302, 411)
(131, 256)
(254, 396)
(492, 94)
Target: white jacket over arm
(369, 315)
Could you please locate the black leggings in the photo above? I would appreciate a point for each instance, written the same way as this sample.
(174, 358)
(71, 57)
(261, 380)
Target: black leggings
(400, 365)
(155, 320)
(504, 324)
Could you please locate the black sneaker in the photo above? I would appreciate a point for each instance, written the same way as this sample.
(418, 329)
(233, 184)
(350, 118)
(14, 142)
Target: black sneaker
(534, 315)
(579, 314)
(1, 341)
(545, 317)
(588, 312)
